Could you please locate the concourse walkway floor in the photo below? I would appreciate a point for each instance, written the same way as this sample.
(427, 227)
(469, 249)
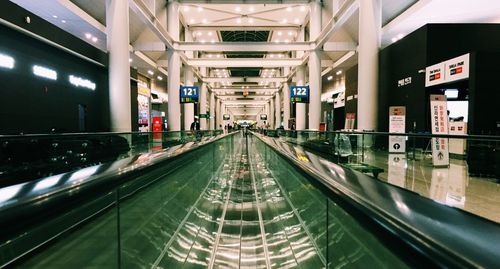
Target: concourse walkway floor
(252, 211)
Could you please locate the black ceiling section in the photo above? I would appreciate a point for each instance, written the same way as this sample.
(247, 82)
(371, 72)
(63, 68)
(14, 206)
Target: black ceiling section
(244, 36)
(244, 71)
(244, 54)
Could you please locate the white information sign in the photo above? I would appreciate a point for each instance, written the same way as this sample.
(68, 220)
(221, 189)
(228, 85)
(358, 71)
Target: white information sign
(439, 125)
(397, 123)
(434, 75)
(457, 68)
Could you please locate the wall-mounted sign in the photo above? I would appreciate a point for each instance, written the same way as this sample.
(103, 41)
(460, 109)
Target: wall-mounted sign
(226, 117)
(397, 123)
(189, 94)
(6, 61)
(457, 68)
(350, 120)
(404, 82)
(448, 71)
(263, 116)
(44, 72)
(205, 116)
(439, 122)
(81, 82)
(434, 75)
(299, 94)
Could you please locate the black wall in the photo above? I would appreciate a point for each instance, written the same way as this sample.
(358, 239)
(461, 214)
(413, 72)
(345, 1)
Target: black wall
(32, 104)
(351, 89)
(432, 44)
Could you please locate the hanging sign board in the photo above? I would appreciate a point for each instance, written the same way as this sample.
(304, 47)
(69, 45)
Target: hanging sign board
(434, 75)
(397, 123)
(263, 116)
(439, 125)
(189, 94)
(299, 94)
(457, 68)
(226, 117)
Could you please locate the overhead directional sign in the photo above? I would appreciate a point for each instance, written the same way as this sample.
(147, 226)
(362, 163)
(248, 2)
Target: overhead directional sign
(299, 94)
(189, 94)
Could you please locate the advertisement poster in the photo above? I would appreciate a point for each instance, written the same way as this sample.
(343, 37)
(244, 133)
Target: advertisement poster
(350, 120)
(397, 124)
(439, 125)
(143, 99)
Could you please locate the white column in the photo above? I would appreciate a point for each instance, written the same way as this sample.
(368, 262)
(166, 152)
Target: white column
(300, 111)
(174, 69)
(217, 114)
(266, 111)
(212, 111)
(203, 100)
(117, 31)
(277, 112)
(370, 13)
(271, 113)
(286, 99)
(188, 107)
(314, 64)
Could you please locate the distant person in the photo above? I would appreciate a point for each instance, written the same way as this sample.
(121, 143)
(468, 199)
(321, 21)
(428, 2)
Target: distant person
(195, 126)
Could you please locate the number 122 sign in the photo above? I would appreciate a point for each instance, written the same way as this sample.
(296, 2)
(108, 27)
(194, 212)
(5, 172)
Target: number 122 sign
(189, 94)
(299, 94)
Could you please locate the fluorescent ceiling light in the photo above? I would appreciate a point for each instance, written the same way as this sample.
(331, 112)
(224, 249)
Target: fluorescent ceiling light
(289, 9)
(150, 72)
(159, 77)
(88, 35)
(44, 72)
(6, 61)
(339, 72)
(329, 77)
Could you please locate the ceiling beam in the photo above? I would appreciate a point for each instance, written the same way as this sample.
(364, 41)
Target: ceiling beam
(241, 79)
(243, 28)
(238, 62)
(149, 46)
(243, 1)
(340, 46)
(149, 19)
(245, 46)
(244, 90)
(394, 23)
(345, 12)
(337, 63)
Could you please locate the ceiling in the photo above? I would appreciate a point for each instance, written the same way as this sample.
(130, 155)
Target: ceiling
(251, 21)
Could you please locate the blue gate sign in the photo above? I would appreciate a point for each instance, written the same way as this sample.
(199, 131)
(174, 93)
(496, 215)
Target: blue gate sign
(189, 94)
(299, 94)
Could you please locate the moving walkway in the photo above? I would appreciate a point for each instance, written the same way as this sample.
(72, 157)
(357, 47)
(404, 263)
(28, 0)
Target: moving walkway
(232, 201)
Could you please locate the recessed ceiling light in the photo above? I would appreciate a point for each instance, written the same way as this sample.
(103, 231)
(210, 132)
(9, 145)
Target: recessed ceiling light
(88, 35)
(212, 41)
(238, 20)
(289, 9)
(287, 40)
(272, 55)
(400, 36)
(94, 39)
(200, 9)
(394, 39)
(54, 16)
(218, 55)
(280, 33)
(250, 20)
(329, 77)
(280, 55)
(159, 77)
(210, 33)
(290, 33)
(203, 41)
(302, 8)
(150, 72)
(129, 60)
(186, 8)
(204, 21)
(199, 33)
(192, 21)
(339, 72)
(284, 21)
(251, 9)
(209, 55)
(297, 21)
(63, 21)
(238, 9)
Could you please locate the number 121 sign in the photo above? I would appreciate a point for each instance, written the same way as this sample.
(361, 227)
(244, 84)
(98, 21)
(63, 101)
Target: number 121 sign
(189, 94)
(299, 94)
